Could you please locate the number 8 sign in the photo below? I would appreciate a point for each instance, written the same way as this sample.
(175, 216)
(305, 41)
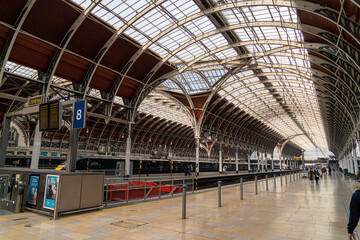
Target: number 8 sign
(79, 115)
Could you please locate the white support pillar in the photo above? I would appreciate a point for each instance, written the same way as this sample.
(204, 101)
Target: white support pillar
(356, 164)
(128, 151)
(351, 162)
(280, 166)
(258, 160)
(262, 162)
(237, 160)
(197, 145)
(248, 161)
(220, 159)
(36, 147)
(345, 161)
(272, 162)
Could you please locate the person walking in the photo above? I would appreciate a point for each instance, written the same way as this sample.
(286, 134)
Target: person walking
(354, 211)
(311, 175)
(186, 170)
(316, 175)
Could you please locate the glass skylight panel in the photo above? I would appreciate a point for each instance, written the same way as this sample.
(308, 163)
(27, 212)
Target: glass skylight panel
(11, 66)
(175, 39)
(118, 100)
(214, 41)
(137, 35)
(199, 26)
(214, 75)
(181, 9)
(21, 70)
(228, 53)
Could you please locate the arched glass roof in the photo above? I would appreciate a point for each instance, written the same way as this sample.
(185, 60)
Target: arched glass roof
(275, 83)
(160, 106)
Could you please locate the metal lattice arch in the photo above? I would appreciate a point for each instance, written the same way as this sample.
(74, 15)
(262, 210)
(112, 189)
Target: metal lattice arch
(243, 74)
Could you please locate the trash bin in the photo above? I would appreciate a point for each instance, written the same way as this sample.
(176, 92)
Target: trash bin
(346, 172)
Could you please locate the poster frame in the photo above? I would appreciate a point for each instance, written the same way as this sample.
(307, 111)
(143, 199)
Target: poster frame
(50, 203)
(28, 202)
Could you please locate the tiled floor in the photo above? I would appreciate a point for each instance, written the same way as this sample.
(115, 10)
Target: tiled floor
(298, 210)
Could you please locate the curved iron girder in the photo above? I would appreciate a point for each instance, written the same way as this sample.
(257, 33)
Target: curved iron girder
(12, 37)
(170, 132)
(154, 130)
(109, 43)
(179, 139)
(182, 132)
(64, 42)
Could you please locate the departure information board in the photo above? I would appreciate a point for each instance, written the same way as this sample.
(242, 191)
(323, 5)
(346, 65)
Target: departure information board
(50, 116)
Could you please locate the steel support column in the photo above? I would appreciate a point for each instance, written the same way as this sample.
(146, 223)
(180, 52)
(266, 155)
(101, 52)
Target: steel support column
(4, 140)
(36, 147)
(197, 145)
(128, 151)
(237, 159)
(72, 152)
(220, 159)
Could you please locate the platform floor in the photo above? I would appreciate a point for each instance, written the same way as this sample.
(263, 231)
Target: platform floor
(298, 210)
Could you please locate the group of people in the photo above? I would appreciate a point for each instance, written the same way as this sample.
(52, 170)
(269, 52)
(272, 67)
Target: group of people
(188, 169)
(317, 173)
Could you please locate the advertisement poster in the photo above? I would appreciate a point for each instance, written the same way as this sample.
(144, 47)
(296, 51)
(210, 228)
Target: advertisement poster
(50, 191)
(33, 189)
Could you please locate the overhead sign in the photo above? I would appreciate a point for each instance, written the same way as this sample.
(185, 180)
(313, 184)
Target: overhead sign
(79, 114)
(50, 116)
(35, 100)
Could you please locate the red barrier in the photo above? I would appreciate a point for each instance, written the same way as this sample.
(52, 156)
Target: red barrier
(137, 190)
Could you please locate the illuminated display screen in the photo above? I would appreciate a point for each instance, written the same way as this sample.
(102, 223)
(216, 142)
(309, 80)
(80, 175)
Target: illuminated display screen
(50, 116)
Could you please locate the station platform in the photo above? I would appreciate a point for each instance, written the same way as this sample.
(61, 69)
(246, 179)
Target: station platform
(201, 174)
(296, 210)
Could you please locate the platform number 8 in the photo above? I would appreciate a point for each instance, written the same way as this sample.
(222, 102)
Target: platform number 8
(78, 114)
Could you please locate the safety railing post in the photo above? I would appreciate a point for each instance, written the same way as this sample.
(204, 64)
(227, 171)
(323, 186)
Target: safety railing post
(172, 187)
(256, 186)
(281, 179)
(127, 192)
(241, 189)
(192, 180)
(107, 192)
(184, 201)
(219, 193)
(160, 189)
(274, 180)
(294, 176)
(286, 178)
(290, 176)
(267, 184)
(145, 190)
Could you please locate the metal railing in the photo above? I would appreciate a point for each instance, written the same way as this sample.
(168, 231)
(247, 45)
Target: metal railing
(123, 191)
(119, 191)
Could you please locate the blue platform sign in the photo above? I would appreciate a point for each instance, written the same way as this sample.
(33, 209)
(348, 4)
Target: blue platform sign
(79, 114)
(50, 191)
